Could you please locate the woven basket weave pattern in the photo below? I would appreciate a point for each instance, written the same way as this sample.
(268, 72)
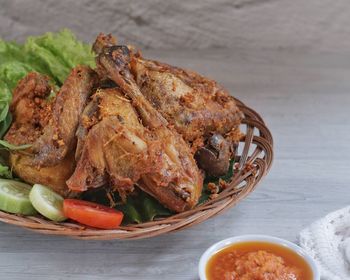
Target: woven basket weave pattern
(253, 160)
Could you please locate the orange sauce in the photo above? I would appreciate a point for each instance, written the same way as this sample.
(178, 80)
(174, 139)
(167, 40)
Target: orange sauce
(257, 261)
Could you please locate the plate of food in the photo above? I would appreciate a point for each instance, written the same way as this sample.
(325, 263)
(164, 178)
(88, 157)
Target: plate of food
(99, 142)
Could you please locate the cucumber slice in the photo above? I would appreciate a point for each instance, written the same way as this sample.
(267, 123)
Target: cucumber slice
(14, 197)
(47, 202)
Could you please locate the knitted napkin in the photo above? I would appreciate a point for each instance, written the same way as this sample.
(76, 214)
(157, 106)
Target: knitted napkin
(328, 242)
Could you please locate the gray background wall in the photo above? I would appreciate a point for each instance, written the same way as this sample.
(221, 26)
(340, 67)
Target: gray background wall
(321, 25)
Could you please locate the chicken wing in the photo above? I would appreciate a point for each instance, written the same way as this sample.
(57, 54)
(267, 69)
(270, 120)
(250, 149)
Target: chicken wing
(58, 136)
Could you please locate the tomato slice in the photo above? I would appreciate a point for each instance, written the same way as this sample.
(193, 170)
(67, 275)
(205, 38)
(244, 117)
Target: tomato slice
(92, 214)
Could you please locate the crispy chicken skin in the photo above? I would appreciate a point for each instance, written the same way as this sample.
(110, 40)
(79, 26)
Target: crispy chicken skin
(31, 112)
(30, 109)
(103, 41)
(178, 184)
(58, 136)
(130, 122)
(115, 147)
(197, 107)
(52, 176)
(49, 125)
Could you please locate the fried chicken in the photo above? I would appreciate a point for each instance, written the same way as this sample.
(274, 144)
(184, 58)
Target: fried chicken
(114, 147)
(178, 183)
(130, 122)
(197, 107)
(49, 125)
(58, 136)
(30, 108)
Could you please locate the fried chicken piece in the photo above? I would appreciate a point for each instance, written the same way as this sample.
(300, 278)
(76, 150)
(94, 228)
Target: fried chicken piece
(54, 177)
(30, 109)
(197, 107)
(178, 184)
(58, 136)
(49, 125)
(114, 146)
(103, 41)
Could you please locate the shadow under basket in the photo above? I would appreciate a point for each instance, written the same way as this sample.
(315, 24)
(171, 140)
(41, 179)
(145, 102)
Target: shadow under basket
(253, 159)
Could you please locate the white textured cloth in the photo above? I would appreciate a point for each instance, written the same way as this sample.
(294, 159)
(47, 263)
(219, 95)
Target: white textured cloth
(328, 242)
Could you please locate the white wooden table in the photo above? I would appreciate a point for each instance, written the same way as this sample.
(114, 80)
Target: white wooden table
(304, 99)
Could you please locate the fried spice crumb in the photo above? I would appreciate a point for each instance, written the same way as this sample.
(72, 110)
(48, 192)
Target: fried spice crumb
(223, 184)
(248, 167)
(196, 144)
(213, 188)
(174, 86)
(187, 99)
(60, 142)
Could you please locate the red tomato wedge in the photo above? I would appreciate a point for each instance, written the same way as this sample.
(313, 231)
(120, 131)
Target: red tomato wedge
(92, 214)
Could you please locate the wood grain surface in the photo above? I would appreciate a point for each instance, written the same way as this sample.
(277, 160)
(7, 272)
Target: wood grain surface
(305, 100)
(191, 24)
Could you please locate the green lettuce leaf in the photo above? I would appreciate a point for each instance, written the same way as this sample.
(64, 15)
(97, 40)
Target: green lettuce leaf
(5, 172)
(66, 49)
(131, 213)
(142, 208)
(10, 146)
(5, 124)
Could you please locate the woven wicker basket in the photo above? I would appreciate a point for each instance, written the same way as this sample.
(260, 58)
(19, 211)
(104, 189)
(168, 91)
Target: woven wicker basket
(254, 158)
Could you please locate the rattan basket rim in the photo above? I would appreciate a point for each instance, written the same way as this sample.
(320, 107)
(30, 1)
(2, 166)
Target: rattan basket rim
(253, 163)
